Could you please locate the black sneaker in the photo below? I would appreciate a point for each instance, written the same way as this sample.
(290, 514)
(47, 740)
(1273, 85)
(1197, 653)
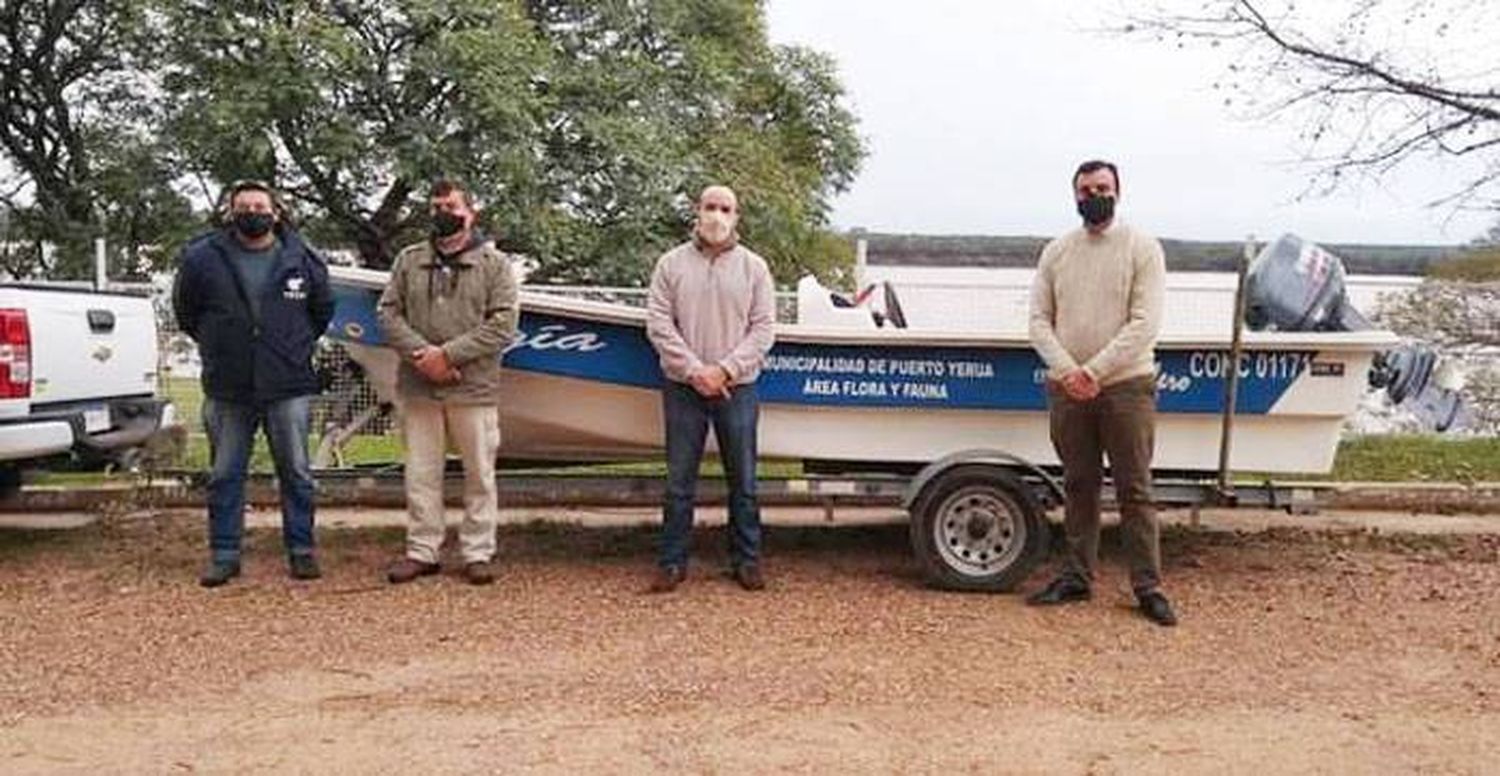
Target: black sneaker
(218, 572)
(304, 567)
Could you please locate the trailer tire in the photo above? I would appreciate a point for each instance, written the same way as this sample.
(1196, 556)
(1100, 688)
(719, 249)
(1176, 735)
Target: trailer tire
(978, 528)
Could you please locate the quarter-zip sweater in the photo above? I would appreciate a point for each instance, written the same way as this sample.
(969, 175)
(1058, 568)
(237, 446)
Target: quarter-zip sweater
(711, 309)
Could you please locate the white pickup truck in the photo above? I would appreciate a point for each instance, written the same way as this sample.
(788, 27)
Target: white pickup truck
(77, 375)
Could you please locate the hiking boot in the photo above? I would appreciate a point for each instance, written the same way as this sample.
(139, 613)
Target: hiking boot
(407, 569)
(479, 573)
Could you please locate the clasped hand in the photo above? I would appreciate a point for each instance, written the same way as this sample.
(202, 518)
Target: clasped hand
(711, 382)
(433, 364)
(1079, 385)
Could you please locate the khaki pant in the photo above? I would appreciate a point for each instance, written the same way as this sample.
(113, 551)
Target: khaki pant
(1120, 423)
(475, 431)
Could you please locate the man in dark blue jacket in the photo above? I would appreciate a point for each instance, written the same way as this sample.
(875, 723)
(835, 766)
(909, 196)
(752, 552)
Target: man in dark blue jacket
(255, 298)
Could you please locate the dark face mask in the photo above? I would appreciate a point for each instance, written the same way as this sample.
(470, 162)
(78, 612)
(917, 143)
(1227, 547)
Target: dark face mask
(1096, 210)
(445, 224)
(254, 225)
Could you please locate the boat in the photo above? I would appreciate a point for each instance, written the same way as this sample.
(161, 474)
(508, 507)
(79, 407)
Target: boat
(843, 388)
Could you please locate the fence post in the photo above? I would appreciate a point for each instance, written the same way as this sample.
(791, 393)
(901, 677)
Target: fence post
(101, 265)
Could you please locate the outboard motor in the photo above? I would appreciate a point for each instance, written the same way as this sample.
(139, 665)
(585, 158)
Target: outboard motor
(1293, 285)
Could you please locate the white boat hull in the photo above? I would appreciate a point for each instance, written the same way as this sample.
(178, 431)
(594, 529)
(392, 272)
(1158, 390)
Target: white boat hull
(582, 385)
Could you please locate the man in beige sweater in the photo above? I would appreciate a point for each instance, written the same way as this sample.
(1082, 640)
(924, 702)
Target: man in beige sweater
(710, 317)
(1096, 307)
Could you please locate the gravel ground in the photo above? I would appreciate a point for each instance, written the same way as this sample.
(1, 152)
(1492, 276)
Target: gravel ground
(1299, 652)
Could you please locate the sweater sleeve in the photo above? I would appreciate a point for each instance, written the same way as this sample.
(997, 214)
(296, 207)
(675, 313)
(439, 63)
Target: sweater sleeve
(750, 353)
(678, 359)
(1043, 317)
(1148, 290)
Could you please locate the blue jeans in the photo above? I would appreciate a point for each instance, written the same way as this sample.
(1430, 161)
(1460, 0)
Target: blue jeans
(231, 437)
(687, 416)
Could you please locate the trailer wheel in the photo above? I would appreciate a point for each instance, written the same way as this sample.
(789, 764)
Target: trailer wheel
(977, 528)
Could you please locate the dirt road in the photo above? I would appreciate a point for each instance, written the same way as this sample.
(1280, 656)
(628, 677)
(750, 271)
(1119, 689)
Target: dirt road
(1299, 652)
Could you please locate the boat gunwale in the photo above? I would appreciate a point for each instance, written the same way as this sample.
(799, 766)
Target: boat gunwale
(608, 312)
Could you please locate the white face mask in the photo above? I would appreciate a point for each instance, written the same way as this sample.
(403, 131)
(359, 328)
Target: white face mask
(715, 227)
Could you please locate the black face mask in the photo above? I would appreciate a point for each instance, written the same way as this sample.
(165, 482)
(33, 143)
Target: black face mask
(1096, 210)
(445, 224)
(254, 225)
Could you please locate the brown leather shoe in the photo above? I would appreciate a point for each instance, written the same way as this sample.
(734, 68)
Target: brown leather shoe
(667, 579)
(479, 573)
(749, 577)
(407, 569)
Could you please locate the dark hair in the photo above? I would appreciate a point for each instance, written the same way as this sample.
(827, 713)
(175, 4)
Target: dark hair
(442, 187)
(1095, 165)
(226, 204)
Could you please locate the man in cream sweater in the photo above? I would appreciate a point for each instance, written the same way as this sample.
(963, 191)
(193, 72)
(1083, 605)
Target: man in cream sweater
(1096, 307)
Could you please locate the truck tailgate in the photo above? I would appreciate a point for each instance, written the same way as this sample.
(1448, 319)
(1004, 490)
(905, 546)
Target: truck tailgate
(89, 346)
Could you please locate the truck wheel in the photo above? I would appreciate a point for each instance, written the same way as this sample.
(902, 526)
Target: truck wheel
(977, 528)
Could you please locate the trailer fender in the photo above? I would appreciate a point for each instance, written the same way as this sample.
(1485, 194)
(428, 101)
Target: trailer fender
(979, 456)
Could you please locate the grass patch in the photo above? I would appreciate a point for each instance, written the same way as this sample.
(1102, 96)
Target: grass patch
(1421, 458)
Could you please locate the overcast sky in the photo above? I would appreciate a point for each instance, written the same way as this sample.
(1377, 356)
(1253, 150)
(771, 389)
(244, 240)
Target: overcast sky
(975, 114)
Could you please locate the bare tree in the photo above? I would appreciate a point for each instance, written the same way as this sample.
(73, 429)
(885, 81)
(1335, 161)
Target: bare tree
(1372, 83)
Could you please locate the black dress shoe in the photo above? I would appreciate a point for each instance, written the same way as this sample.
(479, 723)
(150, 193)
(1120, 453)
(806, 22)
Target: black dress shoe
(1157, 608)
(667, 579)
(1062, 590)
(218, 572)
(749, 576)
(304, 567)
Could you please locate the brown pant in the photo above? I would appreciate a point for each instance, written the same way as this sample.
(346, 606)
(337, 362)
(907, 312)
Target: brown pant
(1121, 423)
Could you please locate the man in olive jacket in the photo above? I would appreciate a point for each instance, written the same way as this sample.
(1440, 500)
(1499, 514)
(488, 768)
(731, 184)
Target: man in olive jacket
(450, 310)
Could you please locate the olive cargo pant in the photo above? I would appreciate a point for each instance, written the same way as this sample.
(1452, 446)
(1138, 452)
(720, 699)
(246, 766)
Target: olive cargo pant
(1121, 423)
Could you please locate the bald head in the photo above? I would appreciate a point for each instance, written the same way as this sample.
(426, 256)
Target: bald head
(718, 215)
(722, 195)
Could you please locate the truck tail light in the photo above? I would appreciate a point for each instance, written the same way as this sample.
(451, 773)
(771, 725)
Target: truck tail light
(15, 355)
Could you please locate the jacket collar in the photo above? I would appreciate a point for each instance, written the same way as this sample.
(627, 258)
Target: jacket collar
(463, 258)
(289, 246)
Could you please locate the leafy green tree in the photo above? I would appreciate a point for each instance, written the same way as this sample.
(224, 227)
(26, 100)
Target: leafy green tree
(75, 127)
(584, 127)
(352, 107)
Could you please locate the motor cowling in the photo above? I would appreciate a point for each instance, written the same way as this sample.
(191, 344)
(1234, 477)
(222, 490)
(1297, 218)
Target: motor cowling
(1294, 285)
